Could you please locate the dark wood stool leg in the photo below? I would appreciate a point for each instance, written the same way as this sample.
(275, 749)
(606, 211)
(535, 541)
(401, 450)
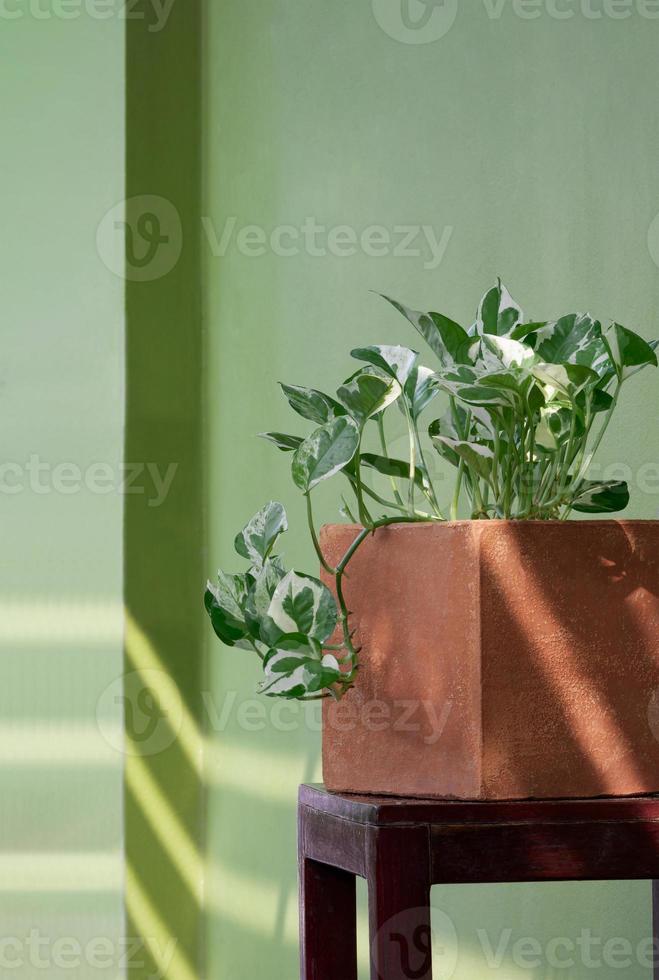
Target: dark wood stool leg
(328, 922)
(399, 904)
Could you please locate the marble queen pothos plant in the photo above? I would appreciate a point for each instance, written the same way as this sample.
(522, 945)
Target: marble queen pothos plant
(526, 405)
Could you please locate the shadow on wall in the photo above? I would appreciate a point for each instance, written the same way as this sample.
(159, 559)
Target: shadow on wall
(247, 896)
(164, 664)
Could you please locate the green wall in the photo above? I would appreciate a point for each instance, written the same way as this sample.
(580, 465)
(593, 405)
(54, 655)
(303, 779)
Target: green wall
(61, 406)
(534, 140)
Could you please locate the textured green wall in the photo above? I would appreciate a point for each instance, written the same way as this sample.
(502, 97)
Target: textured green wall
(536, 141)
(61, 411)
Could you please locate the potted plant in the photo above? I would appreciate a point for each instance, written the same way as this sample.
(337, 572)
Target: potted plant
(512, 654)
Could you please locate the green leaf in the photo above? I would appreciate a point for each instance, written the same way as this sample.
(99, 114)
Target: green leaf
(486, 419)
(535, 397)
(397, 362)
(513, 381)
(629, 352)
(287, 444)
(601, 498)
(420, 389)
(325, 452)
(573, 339)
(296, 668)
(519, 386)
(545, 437)
(443, 433)
(257, 538)
(600, 401)
(258, 601)
(467, 383)
(393, 467)
(302, 604)
(554, 428)
(295, 645)
(498, 312)
(485, 395)
(461, 375)
(225, 605)
(312, 404)
(567, 378)
(448, 340)
(503, 352)
(527, 332)
(366, 394)
(478, 458)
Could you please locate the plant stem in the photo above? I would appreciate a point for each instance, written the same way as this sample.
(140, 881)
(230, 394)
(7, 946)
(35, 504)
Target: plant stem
(347, 509)
(364, 515)
(456, 495)
(385, 452)
(430, 492)
(580, 454)
(547, 498)
(314, 538)
(547, 480)
(463, 474)
(495, 465)
(256, 649)
(479, 507)
(565, 468)
(508, 491)
(385, 503)
(340, 572)
(412, 442)
(529, 471)
(600, 434)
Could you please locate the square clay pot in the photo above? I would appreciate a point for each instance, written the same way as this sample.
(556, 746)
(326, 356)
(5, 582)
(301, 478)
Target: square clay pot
(500, 660)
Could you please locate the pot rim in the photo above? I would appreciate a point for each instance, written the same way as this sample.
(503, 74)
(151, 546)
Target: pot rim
(497, 521)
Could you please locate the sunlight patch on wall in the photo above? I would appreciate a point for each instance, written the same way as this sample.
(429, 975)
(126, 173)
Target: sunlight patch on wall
(67, 745)
(166, 826)
(144, 658)
(38, 871)
(231, 766)
(168, 957)
(253, 904)
(50, 621)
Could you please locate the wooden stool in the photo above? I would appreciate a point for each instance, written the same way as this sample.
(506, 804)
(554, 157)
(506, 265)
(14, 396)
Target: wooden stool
(403, 846)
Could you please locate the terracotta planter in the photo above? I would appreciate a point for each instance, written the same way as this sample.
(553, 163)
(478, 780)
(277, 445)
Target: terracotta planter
(500, 660)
